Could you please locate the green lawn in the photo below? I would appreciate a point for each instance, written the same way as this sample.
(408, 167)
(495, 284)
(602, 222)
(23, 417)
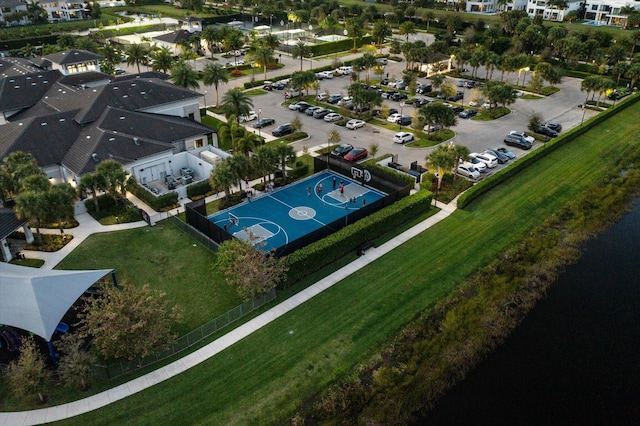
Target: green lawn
(263, 378)
(167, 259)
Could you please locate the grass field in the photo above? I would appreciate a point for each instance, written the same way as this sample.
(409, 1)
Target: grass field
(263, 378)
(167, 259)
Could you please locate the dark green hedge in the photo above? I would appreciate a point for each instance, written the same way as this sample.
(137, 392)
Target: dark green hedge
(299, 171)
(199, 188)
(524, 162)
(329, 249)
(105, 202)
(164, 201)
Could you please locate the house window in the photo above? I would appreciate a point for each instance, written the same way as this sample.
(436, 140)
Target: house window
(594, 7)
(199, 143)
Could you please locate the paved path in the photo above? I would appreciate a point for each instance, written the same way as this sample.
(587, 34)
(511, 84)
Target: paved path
(102, 399)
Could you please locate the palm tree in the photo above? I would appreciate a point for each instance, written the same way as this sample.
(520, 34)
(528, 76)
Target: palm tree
(162, 59)
(406, 28)
(441, 161)
(285, 154)
(136, 54)
(427, 17)
(619, 69)
(240, 167)
(214, 74)
(211, 36)
(271, 41)
(32, 205)
(231, 131)
(15, 167)
(381, 30)
(265, 159)
(604, 85)
(184, 76)
(236, 102)
(300, 50)
(355, 28)
(112, 178)
(222, 177)
(233, 40)
(633, 74)
(60, 196)
(589, 84)
(248, 143)
(461, 153)
(37, 183)
(90, 183)
(263, 55)
(368, 61)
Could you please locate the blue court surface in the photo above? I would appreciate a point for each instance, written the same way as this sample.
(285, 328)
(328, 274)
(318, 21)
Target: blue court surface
(276, 218)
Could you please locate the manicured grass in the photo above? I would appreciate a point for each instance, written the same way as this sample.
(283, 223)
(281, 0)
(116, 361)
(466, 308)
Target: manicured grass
(263, 378)
(530, 97)
(256, 92)
(165, 258)
(487, 115)
(433, 140)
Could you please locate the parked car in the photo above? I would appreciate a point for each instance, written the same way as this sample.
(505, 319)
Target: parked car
(354, 124)
(458, 96)
(309, 111)
(467, 170)
(268, 85)
(282, 130)
(473, 104)
(424, 88)
(297, 105)
(382, 61)
(302, 106)
(393, 118)
(468, 113)
(333, 99)
(461, 83)
(356, 154)
(345, 70)
(506, 152)
(553, 126)
(542, 130)
(403, 137)
(486, 105)
(398, 96)
(433, 128)
(500, 156)
(384, 81)
(321, 112)
(421, 102)
(326, 74)
(405, 120)
(528, 138)
(278, 85)
(342, 150)
(456, 109)
(291, 94)
(517, 141)
(395, 83)
(264, 122)
(487, 159)
(344, 101)
(470, 84)
(249, 117)
(321, 97)
(477, 164)
(332, 116)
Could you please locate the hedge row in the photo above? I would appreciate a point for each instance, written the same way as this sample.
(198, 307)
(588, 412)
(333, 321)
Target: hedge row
(524, 162)
(164, 201)
(199, 188)
(329, 249)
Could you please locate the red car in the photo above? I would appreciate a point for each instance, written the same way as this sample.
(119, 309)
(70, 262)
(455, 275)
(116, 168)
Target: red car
(356, 154)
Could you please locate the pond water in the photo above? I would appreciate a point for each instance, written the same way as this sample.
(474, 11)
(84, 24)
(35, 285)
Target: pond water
(576, 358)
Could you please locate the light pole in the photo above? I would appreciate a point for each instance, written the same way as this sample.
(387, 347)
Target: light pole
(259, 125)
(205, 100)
(311, 59)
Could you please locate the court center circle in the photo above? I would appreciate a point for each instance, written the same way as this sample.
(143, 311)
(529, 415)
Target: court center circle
(302, 213)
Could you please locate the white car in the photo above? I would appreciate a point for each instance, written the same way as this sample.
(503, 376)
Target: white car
(473, 104)
(396, 83)
(403, 137)
(393, 118)
(522, 135)
(487, 159)
(344, 101)
(477, 164)
(355, 124)
(321, 96)
(486, 105)
(249, 117)
(467, 170)
(331, 117)
(326, 74)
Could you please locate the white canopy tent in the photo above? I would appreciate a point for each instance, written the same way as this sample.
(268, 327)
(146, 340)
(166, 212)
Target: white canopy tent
(36, 300)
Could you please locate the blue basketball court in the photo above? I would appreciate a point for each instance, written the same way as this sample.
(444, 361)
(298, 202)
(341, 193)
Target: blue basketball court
(276, 218)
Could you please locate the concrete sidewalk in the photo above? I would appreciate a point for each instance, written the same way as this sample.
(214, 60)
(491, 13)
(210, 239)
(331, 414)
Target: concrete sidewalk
(102, 399)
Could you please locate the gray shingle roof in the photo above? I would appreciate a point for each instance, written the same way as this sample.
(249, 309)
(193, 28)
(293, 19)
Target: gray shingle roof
(9, 222)
(24, 91)
(16, 66)
(72, 56)
(84, 78)
(175, 36)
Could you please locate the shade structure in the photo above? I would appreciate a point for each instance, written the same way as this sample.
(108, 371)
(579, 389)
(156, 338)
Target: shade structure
(36, 300)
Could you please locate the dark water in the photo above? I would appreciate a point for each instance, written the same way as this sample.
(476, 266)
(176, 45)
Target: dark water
(576, 359)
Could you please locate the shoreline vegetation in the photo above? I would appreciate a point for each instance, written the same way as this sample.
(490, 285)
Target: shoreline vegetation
(437, 350)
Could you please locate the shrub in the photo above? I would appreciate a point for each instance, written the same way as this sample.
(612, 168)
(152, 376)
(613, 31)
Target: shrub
(315, 256)
(162, 203)
(299, 171)
(105, 202)
(198, 188)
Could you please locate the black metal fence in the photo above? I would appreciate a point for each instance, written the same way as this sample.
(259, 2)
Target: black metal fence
(188, 340)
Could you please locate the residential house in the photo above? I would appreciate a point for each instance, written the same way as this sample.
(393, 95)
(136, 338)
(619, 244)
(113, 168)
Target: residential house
(13, 12)
(551, 12)
(64, 10)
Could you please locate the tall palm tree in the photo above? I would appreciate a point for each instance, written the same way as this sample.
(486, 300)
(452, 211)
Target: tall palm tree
(300, 50)
(271, 41)
(368, 61)
(441, 161)
(233, 40)
(407, 28)
(589, 84)
(112, 178)
(61, 196)
(222, 177)
(214, 74)
(15, 167)
(240, 167)
(265, 160)
(263, 55)
(32, 205)
(162, 59)
(285, 154)
(236, 102)
(248, 143)
(90, 183)
(633, 74)
(136, 54)
(36, 183)
(183, 75)
(381, 30)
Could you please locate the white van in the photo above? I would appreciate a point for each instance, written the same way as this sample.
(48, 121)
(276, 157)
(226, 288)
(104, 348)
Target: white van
(344, 70)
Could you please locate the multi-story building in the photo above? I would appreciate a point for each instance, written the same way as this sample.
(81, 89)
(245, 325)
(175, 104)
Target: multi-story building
(11, 12)
(490, 6)
(550, 12)
(64, 10)
(607, 12)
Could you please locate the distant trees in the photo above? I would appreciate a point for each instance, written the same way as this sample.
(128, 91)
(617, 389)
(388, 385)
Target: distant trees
(184, 76)
(128, 322)
(29, 375)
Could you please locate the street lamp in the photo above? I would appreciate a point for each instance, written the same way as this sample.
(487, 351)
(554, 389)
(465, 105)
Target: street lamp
(311, 59)
(259, 125)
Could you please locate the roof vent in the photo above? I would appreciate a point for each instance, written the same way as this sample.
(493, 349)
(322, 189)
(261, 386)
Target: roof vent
(112, 139)
(125, 96)
(95, 157)
(115, 87)
(122, 117)
(61, 120)
(133, 85)
(46, 81)
(136, 140)
(16, 87)
(143, 93)
(43, 124)
(33, 84)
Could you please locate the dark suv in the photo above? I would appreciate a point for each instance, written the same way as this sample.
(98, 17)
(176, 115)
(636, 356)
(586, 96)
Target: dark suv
(517, 141)
(342, 150)
(456, 97)
(283, 129)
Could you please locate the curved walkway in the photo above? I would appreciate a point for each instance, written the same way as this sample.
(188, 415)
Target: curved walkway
(102, 399)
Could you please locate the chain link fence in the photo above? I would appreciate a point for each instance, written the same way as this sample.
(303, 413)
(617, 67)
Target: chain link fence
(194, 233)
(182, 343)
